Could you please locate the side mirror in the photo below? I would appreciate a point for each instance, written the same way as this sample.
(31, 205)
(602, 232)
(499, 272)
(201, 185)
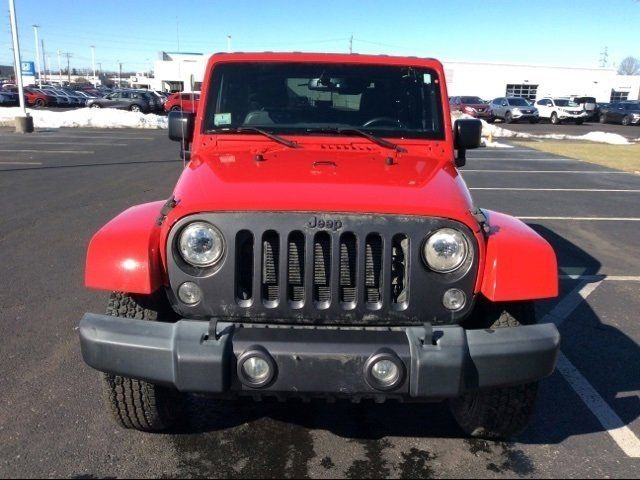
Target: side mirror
(181, 126)
(466, 135)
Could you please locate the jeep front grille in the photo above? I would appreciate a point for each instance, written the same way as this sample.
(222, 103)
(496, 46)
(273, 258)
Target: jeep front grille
(278, 268)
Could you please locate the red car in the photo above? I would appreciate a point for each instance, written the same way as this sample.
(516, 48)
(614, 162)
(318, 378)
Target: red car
(474, 106)
(187, 102)
(38, 98)
(321, 242)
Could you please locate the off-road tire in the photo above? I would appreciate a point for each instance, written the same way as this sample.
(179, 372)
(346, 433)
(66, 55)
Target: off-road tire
(497, 413)
(137, 404)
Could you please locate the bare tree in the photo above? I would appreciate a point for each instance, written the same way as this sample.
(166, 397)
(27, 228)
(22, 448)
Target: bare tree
(629, 66)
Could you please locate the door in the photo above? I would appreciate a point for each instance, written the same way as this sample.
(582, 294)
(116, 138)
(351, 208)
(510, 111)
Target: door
(544, 106)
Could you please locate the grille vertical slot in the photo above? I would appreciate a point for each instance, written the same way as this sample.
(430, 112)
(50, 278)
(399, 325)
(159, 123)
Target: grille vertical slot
(322, 270)
(244, 268)
(295, 269)
(400, 272)
(348, 260)
(270, 268)
(373, 270)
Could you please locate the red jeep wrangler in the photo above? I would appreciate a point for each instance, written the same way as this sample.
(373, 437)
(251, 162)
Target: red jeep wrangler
(321, 243)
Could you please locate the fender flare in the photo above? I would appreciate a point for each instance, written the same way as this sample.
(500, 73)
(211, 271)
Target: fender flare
(520, 264)
(124, 255)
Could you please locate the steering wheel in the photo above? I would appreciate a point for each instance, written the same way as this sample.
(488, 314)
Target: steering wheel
(384, 120)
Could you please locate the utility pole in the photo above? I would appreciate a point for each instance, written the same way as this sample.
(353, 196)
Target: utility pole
(35, 32)
(44, 63)
(351, 44)
(119, 74)
(68, 55)
(24, 123)
(59, 69)
(93, 65)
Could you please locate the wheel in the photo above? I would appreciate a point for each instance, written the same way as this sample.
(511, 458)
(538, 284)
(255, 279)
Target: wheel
(40, 103)
(135, 108)
(176, 108)
(626, 120)
(579, 122)
(498, 413)
(603, 119)
(554, 119)
(508, 118)
(96, 105)
(137, 404)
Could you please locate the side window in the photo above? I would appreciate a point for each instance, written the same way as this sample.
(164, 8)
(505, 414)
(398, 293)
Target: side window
(114, 96)
(125, 95)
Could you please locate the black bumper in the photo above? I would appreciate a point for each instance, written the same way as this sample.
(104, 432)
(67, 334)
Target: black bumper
(440, 363)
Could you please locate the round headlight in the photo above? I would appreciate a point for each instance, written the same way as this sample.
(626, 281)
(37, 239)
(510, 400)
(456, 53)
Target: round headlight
(201, 244)
(446, 250)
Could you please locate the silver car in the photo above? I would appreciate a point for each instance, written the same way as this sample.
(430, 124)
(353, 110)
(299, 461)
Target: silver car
(513, 109)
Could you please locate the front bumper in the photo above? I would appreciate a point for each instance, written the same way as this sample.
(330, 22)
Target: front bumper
(438, 362)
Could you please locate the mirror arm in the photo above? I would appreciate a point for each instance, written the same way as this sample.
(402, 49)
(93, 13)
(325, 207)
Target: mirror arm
(461, 157)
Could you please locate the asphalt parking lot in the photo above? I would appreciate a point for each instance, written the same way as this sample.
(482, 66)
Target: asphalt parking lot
(59, 187)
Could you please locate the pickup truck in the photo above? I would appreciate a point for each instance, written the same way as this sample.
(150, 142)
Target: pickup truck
(321, 243)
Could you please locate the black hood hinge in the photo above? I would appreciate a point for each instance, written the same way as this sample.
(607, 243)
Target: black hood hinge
(166, 208)
(482, 219)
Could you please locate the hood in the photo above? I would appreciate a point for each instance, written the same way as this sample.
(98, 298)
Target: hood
(346, 178)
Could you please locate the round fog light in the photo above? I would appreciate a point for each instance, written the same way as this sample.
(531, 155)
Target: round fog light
(385, 371)
(454, 299)
(256, 369)
(189, 293)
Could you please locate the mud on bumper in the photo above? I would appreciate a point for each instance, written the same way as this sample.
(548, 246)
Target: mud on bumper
(436, 363)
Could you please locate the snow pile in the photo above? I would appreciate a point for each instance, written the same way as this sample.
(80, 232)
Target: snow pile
(86, 117)
(492, 131)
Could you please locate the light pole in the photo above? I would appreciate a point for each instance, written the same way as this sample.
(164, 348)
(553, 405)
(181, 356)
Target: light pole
(93, 65)
(35, 32)
(24, 123)
(59, 69)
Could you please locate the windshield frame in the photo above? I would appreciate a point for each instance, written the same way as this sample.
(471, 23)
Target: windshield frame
(306, 129)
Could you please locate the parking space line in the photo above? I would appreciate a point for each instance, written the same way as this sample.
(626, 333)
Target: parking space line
(609, 278)
(586, 219)
(611, 422)
(83, 152)
(524, 189)
(605, 172)
(87, 144)
(20, 163)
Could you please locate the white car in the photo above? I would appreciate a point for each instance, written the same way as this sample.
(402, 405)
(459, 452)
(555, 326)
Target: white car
(558, 110)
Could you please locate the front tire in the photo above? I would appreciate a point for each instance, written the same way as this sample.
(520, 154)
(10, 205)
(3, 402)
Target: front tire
(508, 118)
(498, 413)
(137, 404)
(626, 120)
(554, 119)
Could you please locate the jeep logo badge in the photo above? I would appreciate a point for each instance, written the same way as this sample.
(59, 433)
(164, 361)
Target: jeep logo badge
(325, 223)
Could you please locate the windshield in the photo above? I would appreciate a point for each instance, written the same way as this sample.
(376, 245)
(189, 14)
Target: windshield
(471, 100)
(562, 102)
(518, 102)
(299, 98)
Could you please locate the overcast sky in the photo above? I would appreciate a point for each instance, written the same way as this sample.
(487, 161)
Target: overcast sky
(557, 32)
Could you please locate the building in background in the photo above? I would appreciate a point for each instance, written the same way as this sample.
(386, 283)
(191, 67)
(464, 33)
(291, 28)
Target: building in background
(179, 71)
(6, 73)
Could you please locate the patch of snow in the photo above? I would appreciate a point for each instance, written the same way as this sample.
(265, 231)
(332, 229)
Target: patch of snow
(86, 117)
(487, 143)
(492, 131)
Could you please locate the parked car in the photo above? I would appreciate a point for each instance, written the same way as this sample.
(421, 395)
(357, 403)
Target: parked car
(187, 102)
(513, 109)
(61, 100)
(9, 99)
(356, 269)
(155, 101)
(589, 105)
(123, 100)
(38, 98)
(625, 113)
(474, 106)
(558, 110)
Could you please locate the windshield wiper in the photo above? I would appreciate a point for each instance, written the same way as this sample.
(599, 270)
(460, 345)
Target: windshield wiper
(351, 130)
(272, 136)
